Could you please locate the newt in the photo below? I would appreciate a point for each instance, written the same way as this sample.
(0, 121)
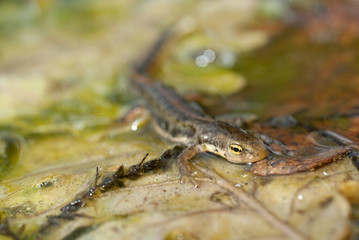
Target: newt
(181, 122)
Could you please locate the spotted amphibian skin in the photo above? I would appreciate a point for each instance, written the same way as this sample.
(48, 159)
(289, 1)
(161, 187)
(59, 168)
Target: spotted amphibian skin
(179, 121)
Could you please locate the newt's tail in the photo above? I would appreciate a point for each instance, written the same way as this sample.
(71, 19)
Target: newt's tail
(152, 58)
(153, 55)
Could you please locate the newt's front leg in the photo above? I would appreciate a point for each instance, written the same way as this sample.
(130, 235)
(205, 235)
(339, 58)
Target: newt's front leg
(183, 164)
(284, 165)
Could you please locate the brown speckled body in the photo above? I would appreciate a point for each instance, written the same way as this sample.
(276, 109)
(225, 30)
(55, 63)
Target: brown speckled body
(182, 122)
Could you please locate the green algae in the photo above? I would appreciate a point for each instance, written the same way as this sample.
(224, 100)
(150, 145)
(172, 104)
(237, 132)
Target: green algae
(11, 150)
(81, 52)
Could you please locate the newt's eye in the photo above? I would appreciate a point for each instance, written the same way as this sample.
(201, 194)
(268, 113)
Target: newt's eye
(235, 148)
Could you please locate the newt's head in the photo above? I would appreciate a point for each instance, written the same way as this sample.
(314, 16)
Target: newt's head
(233, 143)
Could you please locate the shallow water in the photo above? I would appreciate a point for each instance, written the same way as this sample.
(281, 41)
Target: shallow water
(63, 69)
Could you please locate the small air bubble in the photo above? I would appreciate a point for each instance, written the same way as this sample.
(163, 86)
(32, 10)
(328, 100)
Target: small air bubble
(227, 59)
(325, 173)
(201, 61)
(134, 126)
(210, 55)
(300, 197)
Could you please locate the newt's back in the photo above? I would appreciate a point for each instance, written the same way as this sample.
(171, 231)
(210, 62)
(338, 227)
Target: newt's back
(171, 112)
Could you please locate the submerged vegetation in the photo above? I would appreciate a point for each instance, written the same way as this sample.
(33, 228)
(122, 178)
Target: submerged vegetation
(68, 169)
